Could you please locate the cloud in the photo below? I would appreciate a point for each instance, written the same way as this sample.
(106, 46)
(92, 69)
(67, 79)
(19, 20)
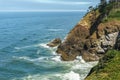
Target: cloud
(62, 2)
(45, 5)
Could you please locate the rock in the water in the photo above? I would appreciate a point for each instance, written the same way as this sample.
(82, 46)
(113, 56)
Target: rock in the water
(54, 43)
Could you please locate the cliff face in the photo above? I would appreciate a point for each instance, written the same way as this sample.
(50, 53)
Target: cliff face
(90, 38)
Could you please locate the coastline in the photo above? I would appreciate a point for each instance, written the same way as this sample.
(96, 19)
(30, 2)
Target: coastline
(93, 36)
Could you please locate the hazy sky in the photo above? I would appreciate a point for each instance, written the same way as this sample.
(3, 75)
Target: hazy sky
(46, 5)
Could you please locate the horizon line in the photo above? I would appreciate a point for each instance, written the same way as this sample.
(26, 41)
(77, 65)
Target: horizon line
(43, 10)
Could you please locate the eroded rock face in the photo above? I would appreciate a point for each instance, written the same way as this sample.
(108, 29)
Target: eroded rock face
(92, 47)
(54, 43)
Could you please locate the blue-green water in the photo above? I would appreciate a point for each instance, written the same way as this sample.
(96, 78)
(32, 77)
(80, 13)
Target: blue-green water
(23, 51)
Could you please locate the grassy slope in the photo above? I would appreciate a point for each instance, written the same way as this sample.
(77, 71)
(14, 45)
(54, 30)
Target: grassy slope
(108, 68)
(113, 15)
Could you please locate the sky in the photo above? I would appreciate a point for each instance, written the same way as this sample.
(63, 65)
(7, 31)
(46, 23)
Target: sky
(46, 5)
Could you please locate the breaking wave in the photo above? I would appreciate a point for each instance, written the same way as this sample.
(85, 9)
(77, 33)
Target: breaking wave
(76, 70)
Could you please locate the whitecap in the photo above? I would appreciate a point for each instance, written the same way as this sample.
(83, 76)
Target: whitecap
(44, 45)
(71, 76)
(30, 59)
(55, 30)
(17, 48)
(24, 47)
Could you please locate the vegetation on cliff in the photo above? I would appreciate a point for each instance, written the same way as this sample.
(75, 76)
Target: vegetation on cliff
(108, 67)
(114, 15)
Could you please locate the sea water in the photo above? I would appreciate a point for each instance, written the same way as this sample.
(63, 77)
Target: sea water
(23, 51)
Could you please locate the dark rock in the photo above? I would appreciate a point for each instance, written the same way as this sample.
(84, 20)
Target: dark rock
(54, 43)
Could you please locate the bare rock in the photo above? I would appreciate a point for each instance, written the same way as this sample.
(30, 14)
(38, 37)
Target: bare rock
(54, 43)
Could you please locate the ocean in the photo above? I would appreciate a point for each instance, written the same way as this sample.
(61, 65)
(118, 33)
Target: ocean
(23, 51)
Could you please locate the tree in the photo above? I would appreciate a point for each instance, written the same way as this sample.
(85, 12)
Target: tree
(91, 8)
(103, 2)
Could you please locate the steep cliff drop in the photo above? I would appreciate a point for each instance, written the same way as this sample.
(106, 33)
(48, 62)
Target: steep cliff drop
(93, 36)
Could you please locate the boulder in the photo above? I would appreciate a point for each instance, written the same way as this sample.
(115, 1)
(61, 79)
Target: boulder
(54, 42)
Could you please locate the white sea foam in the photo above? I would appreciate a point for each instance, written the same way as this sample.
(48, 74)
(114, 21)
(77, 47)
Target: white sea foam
(80, 59)
(71, 76)
(56, 58)
(52, 49)
(34, 77)
(77, 65)
(67, 76)
(44, 45)
(80, 66)
(84, 66)
(24, 47)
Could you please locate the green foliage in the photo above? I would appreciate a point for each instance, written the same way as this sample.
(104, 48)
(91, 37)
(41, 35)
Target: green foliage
(104, 20)
(108, 67)
(115, 14)
(111, 13)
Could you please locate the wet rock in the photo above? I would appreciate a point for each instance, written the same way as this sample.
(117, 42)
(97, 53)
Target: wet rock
(54, 43)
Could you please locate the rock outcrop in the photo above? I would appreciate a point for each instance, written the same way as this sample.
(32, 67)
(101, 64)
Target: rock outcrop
(54, 43)
(90, 38)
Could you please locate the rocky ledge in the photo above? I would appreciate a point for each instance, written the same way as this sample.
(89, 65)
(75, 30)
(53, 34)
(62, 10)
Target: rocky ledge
(54, 42)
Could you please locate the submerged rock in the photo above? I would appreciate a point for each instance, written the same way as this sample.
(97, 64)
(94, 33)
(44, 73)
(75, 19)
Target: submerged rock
(54, 43)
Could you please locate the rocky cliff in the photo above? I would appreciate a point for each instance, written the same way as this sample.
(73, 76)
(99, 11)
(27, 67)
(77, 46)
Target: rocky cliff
(92, 37)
